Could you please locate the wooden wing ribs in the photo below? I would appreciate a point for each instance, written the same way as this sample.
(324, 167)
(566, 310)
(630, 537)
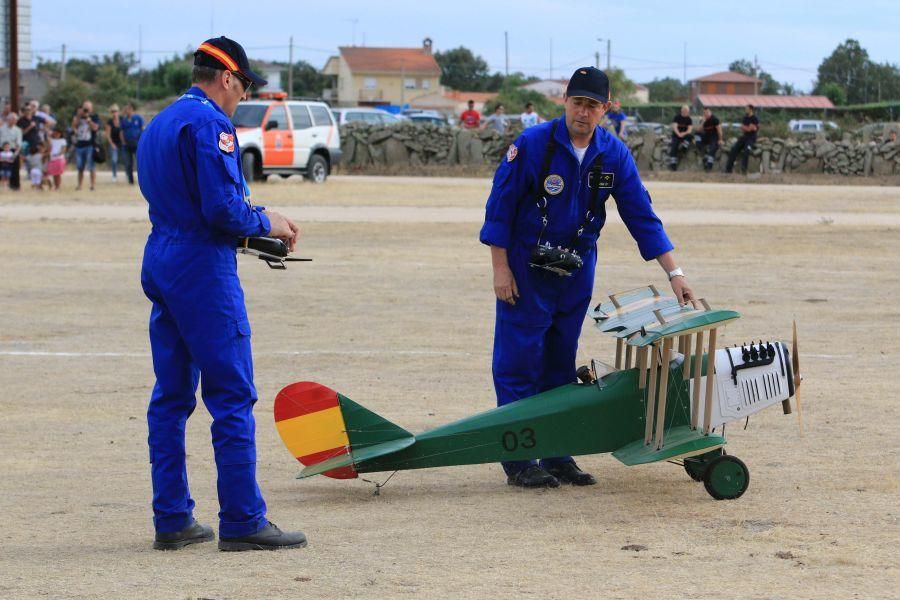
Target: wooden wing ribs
(646, 325)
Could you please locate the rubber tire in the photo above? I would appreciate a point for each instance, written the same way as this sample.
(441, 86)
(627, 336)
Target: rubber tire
(248, 166)
(696, 466)
(317, 169)
(695, 471)
(726, 478)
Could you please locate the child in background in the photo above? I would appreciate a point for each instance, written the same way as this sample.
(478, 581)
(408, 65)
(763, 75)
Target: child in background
(6, 164)
(57, 163)
(34, 164)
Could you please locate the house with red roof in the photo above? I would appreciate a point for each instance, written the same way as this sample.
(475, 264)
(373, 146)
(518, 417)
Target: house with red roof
(366, 76)
(728, 89)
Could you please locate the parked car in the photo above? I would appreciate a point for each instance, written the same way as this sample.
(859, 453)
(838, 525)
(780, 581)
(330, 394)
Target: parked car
(285, 137)
(426, 116)
(373, 116)
(811, 125)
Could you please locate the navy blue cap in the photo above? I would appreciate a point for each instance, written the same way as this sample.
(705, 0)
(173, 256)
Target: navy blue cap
(225, 53)
(589, 82)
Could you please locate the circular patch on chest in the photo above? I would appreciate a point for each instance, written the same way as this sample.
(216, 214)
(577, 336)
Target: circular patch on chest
(554, 184)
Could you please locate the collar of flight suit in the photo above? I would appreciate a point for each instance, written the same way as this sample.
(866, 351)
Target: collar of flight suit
(596, 145)
(195, 91)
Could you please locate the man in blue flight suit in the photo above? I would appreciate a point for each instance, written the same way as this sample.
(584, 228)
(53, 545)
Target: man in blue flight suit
(189, 170)
(542, 222)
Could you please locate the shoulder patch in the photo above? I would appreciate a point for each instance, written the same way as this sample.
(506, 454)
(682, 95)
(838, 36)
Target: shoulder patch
(511, 153)
(226, 142)
(554, 184)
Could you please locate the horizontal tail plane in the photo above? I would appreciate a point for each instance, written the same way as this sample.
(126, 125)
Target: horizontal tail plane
(329, 433)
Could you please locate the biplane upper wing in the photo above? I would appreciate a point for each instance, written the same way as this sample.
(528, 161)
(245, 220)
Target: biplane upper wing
(644, 316)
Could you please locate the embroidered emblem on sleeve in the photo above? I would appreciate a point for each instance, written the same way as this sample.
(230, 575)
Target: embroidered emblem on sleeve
(226, 142)
(511, 153)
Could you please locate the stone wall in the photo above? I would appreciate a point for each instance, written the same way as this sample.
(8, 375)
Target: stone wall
(412, 145)
(778, 155)
(416, 144)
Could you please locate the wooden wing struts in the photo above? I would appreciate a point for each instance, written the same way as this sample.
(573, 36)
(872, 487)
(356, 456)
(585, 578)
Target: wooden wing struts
(650, 328)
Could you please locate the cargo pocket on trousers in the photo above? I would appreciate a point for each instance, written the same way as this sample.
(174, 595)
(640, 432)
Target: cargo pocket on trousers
(243, 328)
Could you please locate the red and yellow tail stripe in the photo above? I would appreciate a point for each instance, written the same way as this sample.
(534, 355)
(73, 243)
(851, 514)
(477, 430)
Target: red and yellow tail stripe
(309, 420)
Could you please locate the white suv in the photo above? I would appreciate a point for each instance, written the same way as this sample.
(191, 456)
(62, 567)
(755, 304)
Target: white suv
(284, 137)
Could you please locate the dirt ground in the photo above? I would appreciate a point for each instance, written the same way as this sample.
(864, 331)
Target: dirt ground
(398, 315)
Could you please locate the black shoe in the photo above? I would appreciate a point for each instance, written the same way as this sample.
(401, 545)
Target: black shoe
(570, 473)
(533, 477)
(194, 533)
(267, 538)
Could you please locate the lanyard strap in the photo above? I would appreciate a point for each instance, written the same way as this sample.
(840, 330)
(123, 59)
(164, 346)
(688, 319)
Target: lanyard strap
(541, 199)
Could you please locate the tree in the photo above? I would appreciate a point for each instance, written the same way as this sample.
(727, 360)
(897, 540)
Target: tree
(308, 81)
(463, 70)
(65, 98)
(767, 86)
(845, 68)
(834, 92)
(620, 87)
(667, 89)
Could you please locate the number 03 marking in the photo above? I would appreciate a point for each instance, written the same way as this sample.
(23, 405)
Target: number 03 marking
(513, 441)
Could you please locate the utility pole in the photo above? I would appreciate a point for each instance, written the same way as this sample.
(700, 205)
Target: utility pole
(14, 55)
(506, 48)
(137, 87)
(62, 65)
(608, 53)
(551, 59)
(597, 59)
(756, 74)
(290, 89)
(684, 63)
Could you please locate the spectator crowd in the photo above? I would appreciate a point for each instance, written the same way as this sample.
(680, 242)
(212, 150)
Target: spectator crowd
(38, 143)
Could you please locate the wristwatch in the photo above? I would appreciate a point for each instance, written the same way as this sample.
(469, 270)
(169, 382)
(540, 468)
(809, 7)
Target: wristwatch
(676, 272)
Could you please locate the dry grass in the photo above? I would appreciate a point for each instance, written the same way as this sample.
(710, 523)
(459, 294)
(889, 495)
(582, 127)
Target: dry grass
(399, 317)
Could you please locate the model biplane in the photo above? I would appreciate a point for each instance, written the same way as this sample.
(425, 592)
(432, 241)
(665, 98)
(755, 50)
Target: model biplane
(667, 397)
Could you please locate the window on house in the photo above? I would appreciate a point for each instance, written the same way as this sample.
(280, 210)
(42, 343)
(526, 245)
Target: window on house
(370, 83)
(426, 84)
(409, 84)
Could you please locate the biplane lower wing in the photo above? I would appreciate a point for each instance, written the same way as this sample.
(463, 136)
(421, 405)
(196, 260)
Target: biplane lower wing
(681, 442)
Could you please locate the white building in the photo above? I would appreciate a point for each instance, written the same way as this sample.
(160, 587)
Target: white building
(24, 39)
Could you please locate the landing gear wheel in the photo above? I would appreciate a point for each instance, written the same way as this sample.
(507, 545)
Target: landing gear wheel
(726, 478)
(695, 466)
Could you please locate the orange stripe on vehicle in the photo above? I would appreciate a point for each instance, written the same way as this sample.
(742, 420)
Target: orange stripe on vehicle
(314, 432)
(303, 398)
(330, 135)
(219, 54)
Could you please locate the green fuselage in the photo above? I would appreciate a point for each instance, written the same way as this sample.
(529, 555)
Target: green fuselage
(574, 419)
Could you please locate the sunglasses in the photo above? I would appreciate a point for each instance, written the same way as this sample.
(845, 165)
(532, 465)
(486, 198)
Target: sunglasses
(246, 83)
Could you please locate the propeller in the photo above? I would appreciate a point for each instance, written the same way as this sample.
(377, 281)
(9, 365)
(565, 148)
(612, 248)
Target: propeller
(795, 360)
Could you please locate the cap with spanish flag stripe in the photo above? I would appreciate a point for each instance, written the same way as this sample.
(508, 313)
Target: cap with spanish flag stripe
(225, 53)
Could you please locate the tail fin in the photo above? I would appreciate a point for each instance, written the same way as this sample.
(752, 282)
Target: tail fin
(329, 433)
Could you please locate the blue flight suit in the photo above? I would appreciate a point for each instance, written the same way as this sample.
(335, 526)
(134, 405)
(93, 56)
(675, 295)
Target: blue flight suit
(189, 171)
(535, 340)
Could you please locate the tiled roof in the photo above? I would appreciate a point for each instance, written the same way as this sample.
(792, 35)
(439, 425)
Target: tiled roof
(465, 96)
(731, 100)
(727, 77)
(390, 60)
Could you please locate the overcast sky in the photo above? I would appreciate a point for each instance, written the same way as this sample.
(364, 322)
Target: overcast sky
(789, 38)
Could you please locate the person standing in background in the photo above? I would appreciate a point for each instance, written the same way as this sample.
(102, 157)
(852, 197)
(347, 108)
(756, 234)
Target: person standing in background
(618, 119)
(114, 138)
(86, 123)
(496, 121)
(529, 118)
(11, 134)
(470, 118)
(132, 127)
